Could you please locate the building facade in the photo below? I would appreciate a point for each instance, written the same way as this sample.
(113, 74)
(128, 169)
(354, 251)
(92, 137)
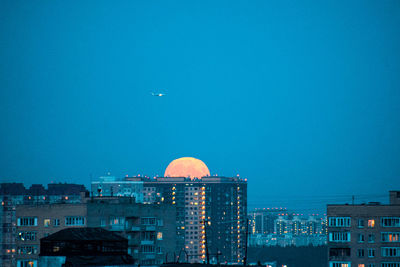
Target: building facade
(13, 194)
(366, 235)
(149, 228)
(210, 214)
(40, 220)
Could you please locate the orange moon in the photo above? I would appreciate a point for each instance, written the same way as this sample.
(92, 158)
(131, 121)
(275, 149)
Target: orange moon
(187, 167)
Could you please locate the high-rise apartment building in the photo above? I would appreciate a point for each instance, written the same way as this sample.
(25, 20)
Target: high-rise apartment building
(210, 214)
(364, 235)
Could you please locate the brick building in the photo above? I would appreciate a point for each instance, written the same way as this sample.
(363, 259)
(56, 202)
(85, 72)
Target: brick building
(40, 220)
(149, 228)
(13, 194)
(366, 235)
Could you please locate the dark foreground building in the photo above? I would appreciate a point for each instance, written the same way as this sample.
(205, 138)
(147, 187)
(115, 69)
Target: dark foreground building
(366, 235)
(84, 247)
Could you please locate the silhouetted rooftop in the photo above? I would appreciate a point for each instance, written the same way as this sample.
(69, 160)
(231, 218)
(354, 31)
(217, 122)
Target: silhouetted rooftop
(81, 234)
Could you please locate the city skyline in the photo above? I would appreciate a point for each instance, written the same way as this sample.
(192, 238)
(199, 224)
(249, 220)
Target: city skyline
(300, 98)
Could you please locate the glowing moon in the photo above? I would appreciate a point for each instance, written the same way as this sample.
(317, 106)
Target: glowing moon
(187, 167)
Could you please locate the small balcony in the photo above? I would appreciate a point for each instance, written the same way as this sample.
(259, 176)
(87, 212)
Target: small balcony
(116, 227)
(150, 228)
(147, 242)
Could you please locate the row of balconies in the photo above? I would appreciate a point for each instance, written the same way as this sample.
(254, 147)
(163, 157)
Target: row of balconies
(132, 228)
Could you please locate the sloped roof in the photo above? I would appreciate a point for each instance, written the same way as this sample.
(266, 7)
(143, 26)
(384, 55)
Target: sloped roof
(87, 234)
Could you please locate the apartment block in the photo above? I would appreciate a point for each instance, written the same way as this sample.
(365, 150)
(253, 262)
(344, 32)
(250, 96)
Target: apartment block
(210, 214)
(364, 235)
(36, 221)
(13, 194)
(149, 228)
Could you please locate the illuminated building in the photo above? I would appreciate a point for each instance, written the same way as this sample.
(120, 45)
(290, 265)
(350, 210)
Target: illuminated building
(278, 227)
(262, 221)
(221, 202)
(364, 235)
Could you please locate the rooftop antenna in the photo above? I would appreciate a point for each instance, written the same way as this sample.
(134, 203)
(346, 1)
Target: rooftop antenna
(352, 199)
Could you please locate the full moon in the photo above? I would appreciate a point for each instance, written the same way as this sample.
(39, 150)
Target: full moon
(187, 167)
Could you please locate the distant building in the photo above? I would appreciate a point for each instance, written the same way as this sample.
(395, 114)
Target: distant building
(109, 186)
(262, 221)
(84, 247)
(365, 235)
(278, 227)
(13, 194)
(149, 228)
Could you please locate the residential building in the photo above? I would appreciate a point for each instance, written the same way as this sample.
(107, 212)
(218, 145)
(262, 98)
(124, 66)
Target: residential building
(35, 221)
(262, 221)
(279, 227)
(210, 210)
(365, 235)
(149, 228)
(13, 194)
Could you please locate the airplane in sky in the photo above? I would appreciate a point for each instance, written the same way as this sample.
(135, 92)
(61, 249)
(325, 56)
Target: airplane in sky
(157, 94)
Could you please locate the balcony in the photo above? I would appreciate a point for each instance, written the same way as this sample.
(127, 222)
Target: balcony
(135, 229)
(116, 227)
(150, 228)
(147, 242)
(149, 256)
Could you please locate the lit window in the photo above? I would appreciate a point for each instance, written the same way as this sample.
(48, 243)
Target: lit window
(159, 236)
(371, 223)
(390, 236)
(46, 222)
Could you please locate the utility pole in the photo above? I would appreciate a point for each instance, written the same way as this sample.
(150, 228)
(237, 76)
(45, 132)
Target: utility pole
(245, 248)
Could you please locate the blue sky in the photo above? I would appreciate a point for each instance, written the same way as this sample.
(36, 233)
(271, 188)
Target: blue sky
(300, 97)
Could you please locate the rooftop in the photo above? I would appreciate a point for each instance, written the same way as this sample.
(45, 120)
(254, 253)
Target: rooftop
(87, 234)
